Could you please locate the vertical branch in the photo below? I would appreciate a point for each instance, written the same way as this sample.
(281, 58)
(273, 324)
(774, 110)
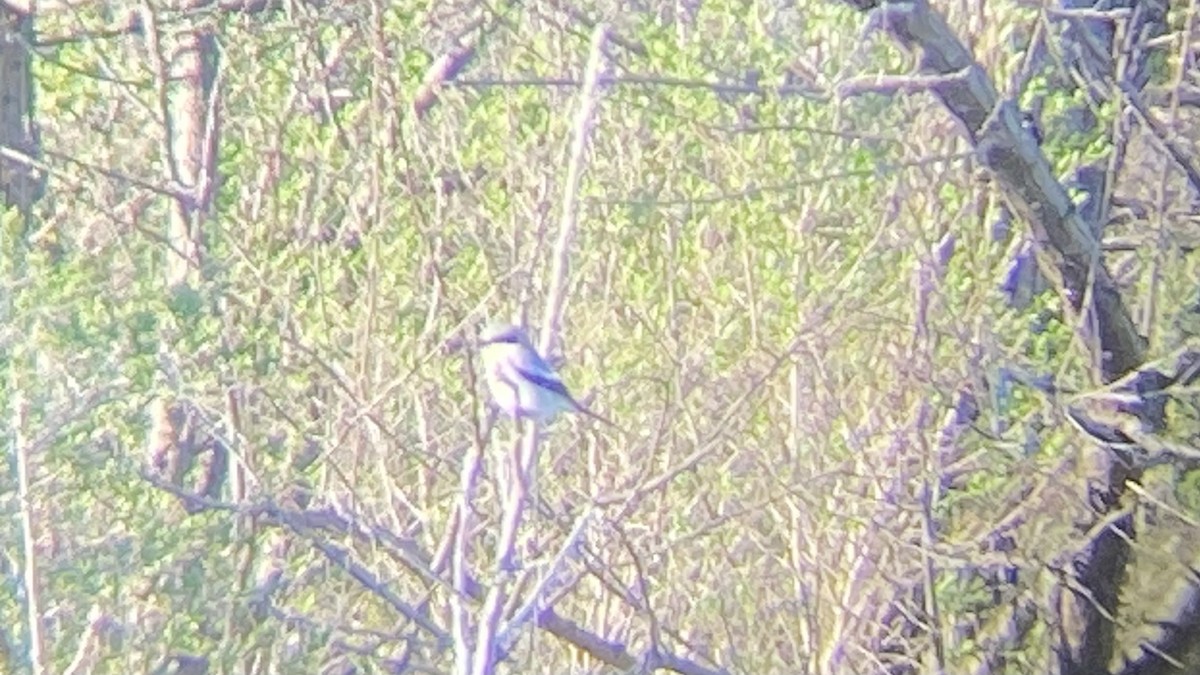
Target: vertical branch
(521, 464)
(515, 481)
(455, 549)
(185, 74)
(243, 538)
(21, 187)
(20, 184)
(235, 433)
(30, 528)
(1153, 300)
(584, 122)
(930, 272)
(185, 103)
(186, 78)
(486, 650)
(515, 484)
(185, 129)
(460, 571)
(929, 495)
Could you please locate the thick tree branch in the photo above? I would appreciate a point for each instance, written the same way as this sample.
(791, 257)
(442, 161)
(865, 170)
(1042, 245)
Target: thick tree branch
(1070, 256)
(1178, 648)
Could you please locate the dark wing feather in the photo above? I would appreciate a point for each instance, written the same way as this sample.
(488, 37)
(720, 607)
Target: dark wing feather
(555, 385)
(540, 379)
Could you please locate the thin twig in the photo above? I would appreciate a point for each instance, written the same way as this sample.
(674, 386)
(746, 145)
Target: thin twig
(718, 88)
(30, 533)
(15, 155)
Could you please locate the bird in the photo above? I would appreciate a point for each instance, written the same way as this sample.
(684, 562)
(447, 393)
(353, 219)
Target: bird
(522, 384)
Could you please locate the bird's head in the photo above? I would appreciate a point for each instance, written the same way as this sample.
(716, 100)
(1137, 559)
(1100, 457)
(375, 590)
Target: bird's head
(502, 334)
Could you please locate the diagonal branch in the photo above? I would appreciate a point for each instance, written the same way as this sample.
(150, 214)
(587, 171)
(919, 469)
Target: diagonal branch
(1070, 256)
(1178, 648)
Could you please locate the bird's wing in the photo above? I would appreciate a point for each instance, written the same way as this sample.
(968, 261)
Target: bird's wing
(545, 379)
(539, 373)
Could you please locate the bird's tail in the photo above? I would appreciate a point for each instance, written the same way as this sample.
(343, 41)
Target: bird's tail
(597, 416)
